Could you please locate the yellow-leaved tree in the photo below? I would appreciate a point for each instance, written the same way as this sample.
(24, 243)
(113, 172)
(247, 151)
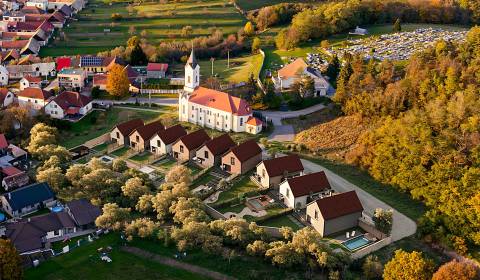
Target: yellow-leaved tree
(117, 81)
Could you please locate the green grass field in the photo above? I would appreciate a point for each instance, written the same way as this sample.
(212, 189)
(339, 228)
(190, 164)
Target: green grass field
(243, 186)
(84, 263)
(161, 22)
(257, 4)
(282, 221)
(240, 70)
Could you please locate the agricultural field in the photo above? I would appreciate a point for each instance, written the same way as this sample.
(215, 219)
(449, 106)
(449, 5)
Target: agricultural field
(249, 5)
(94, 30)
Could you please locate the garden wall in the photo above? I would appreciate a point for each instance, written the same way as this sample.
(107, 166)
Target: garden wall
(97, 141)
(371, 248)
(214, 213)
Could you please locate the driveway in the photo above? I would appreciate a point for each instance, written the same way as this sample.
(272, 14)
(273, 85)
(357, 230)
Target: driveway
(402, 225)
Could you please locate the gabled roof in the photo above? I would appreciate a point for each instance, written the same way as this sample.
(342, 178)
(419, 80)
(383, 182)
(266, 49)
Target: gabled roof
(254, 121)
(277, 166)
(29, 195)
(36, 93)
(172, 134)
(3, 141)
(147, 131)
(66, 10)
(3, 94)
(246, 150)
(83, 211)
(338, 205)
(17, 180)
(195, 139)
(10, 170)
(69, 99)
(32, 79)
(63, 62)
(292, 69)
(17, 45)
(157, 67)
(127, 127)
(221, 101)
(220, 145)
(309, 184)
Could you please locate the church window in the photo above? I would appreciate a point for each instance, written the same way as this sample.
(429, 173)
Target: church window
(188, 79)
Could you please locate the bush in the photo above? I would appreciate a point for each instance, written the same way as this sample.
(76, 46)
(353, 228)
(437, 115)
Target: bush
(117, 17)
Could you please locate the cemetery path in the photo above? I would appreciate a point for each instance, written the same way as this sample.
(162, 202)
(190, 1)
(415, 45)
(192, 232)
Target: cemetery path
(177, 264)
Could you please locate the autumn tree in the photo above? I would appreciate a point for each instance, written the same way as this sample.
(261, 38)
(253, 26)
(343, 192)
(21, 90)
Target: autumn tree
(145, 203)
(134, 188)
(397, 27)
(141, 227)
(249, 29)
(256, 45)
(408, 266)
(113, 217)
(10, 261)
(117, 81)
(179, 174)
(455, 270)
(119, 165)
(53, 176)
(372, 268)
(257, 248)
(41, 135)
(193, 235)
(187, 210)
(383, 220)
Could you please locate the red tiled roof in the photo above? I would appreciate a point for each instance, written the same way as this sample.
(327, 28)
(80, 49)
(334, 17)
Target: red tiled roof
(307, 184)
(127, 127)
(35, 93)
(172, 134)
(99, 79)
(3, 94)
(220, 145)
(277, 166)
(27, 25)
(246, 150)
(157, 67)
(32, 79)
(3, 142)
(339, 205)
(292, 69)
(63, 62)
(34, 17)
(220, 101)
(254, 121)
(195, 139)
(10, 170)
(68, 99)
(19, 44)
(147, 131)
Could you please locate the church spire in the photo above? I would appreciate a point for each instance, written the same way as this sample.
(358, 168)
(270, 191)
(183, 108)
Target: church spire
(192, 60)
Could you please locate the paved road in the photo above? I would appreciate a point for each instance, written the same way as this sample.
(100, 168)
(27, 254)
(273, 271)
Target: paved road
(402, 225)
(133, 100)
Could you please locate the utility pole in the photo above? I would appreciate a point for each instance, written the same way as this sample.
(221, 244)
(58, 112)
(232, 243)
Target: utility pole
(212, 60)
(228, 58)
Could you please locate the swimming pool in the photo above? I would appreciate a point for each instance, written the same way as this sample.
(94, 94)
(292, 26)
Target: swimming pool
(356, 243)
(57, 209)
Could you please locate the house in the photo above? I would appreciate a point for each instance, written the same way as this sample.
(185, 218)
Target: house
(120, 133)
(28, 199)
(100, 79)
(242, 158)
(210, 108)
(140, 137)
(156, 70)
(297, 71)
(161, 143)
(359, 31)
(34, 98)
(97, 64)
(72, 78)
(30, 82)
(83, 213)
(297, 192)
(3, 75)
(69, 105)
(6, 97)
(186, 146)
(40, 4)
(210, 154)
(334, 213)
(271, 172)
(14, 181)
(254, 125)
(32, 235)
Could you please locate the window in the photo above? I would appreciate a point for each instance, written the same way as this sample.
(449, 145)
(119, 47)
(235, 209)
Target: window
(181, 148)
(118, 134)
(241, 121)
(138, 138)
(55, 232)
(183, 109)
(159, 144)
(232, 161)
(188, 80)
(263, 173)
(200, 110)
(206, 154)
(193, 108)
(316, 214)
(192, 115)
(288, 193)
(200, 118)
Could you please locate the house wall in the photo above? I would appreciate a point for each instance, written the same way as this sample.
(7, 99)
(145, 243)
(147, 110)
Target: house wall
(207, 161)
(137, 142)
(275, 181)
(341, 223)
(26, 210)
(289, 199)
(240, 167)
(8, 99)
(179, 155)
(156, 74)
(252, 129)
(319, 223)
(54, 110)
(36, 104)
(86, 109)
(117, 137)
(3, 76)
(158, 147)
(251, 163)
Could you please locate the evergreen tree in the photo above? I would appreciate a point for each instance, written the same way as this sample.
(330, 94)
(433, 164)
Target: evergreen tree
(333, 68)
(137, 56)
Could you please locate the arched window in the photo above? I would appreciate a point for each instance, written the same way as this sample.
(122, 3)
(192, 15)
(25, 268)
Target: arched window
(188, 79)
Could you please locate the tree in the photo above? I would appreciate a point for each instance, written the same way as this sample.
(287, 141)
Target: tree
(455, 270)
(397, 27)
(257, 248)
(325, 44)
(132, 30)
(179, 174)
(187, 31)
(372, 268)
(10, 261)
(145, 203)
(193, 235)
(249, 29)
(96, 92)
(134, 188)
(113, 217)
(138, 56)
(117, 81)
(333, 68)
(141, 227)
(408, 266)
(119, 165)
(383, 220)
(53, 176)
(256, 45)
(41, 135)
(187, 210)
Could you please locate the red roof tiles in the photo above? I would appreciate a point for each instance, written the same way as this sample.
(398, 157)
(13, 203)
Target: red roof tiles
(3, 142)
(339, 205)
(35, 93)
(147, 131)
(68, 99)
(246, 150)
(277, 166)
(307, 184)
(220, 145)
(172, 134)
(221, 101)
(195, 139)
(128, 127)
(157, 67)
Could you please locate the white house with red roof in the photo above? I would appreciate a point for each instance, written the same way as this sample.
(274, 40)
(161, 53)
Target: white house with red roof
(30, 81)
(3, 75)
(211, 108)
(6, 97)
(156, 70)
(69, 105)
(35, 98)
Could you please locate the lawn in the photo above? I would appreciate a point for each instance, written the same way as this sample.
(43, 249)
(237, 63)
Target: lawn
(240, 187)
(282, 221)
(240, 70)
(165, 163)
(101, 148)
(202, 180)
(257, 4)
(95, 30)
(120, 152)
(142, 157)
(99, 122)
(84, 263)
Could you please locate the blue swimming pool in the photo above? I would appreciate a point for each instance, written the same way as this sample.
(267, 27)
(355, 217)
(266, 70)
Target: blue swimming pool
(355, 243)
(2, 217)
(57, 209)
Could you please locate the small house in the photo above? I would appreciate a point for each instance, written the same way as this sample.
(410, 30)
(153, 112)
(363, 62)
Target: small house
(6, 98)
(161, 143)
(120, 133)
(35, 98)
(186, 146)
(28, 199)
(210, 154)
(69, 105)
(334, 213)
(83, 213)
(30, 82)
(242, 158)
(140, 137)
(156, 70)
(71, 79)
(297, 192)
(271, 172)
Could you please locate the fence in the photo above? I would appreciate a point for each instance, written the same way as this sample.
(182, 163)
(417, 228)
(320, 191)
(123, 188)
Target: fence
(160, 91)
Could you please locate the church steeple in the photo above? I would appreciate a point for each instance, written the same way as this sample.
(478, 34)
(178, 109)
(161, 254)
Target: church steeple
(192, 73)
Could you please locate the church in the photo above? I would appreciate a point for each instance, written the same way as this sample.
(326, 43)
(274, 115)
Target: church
(211, 108)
